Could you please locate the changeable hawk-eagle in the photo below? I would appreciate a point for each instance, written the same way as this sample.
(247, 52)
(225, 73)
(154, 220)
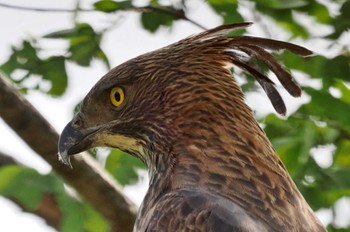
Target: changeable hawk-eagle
(179, 110)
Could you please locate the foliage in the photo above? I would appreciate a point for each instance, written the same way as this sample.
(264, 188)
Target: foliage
(28, 187)
(84, 44)
(26, 59)
(323, 121)
(123, 167)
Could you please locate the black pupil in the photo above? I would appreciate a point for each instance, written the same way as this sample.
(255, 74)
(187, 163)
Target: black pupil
(117, 96)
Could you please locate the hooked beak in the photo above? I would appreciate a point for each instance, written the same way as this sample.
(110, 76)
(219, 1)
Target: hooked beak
(73, 141)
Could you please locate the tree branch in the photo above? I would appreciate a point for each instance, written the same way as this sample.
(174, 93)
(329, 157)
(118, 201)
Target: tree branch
(93, 184)
(6, 160)
(164, 10)
(53, 10)
(48, 210)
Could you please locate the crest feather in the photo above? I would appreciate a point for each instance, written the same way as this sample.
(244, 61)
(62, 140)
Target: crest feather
(244, 51)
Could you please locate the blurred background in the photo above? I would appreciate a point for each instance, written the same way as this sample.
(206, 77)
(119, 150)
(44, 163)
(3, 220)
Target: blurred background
(54, 52)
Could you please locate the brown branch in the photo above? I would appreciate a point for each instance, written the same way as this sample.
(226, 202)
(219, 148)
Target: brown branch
(6, 160)
(93, 184)
(48, 210)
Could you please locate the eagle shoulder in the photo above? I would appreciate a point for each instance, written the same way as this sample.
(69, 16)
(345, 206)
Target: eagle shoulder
(197, 210)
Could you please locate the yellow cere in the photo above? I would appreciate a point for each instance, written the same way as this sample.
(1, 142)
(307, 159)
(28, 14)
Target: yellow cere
(117, 96)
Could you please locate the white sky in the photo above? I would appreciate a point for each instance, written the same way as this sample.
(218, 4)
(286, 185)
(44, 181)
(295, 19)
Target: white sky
(126, 41)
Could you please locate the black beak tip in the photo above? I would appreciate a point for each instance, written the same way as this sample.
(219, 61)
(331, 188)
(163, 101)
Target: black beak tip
(68, 139)
(65, 158)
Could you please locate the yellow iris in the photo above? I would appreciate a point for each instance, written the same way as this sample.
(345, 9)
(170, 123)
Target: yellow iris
(117, 96)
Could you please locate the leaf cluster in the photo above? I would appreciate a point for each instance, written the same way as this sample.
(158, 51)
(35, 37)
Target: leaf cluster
(30, 188)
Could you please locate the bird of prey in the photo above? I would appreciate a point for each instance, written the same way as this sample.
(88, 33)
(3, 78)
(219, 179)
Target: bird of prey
(179, 110)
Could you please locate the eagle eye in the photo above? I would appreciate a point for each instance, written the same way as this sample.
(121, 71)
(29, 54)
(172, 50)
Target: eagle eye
(117, 96)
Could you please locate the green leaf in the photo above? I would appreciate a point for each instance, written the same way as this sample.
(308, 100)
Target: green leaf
(84, 44)
(62, 34)
(73, 215)
(54, 70)
(250, 85)
(7, 175)
(345, 91)
(80, 30)
(83, 52)
(79, 216)
(327, 109)
(342, 22)
(26, 185)
(154, 19)
(319, 11)
(123, 167)
(329, 70)
(93, 221)
(283, 4)
(338, 67)
(227, 9)
(292, 139)
(341, 156)
(111, 6)
(332, 182)
(333, 195)
(335, 228)
(284, 18)
(26, 59)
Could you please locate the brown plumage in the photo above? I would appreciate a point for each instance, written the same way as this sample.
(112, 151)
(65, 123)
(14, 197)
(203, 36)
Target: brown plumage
(211, 166)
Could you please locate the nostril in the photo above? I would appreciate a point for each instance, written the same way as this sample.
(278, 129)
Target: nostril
(77, 122)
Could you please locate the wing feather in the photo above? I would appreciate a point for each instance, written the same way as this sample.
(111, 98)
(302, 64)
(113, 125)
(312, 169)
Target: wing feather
(198, 210)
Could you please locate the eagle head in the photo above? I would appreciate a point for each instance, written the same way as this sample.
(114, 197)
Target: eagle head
(147, 104)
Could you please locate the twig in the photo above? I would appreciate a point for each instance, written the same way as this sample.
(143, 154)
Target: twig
(56, 10)
(176, 14)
